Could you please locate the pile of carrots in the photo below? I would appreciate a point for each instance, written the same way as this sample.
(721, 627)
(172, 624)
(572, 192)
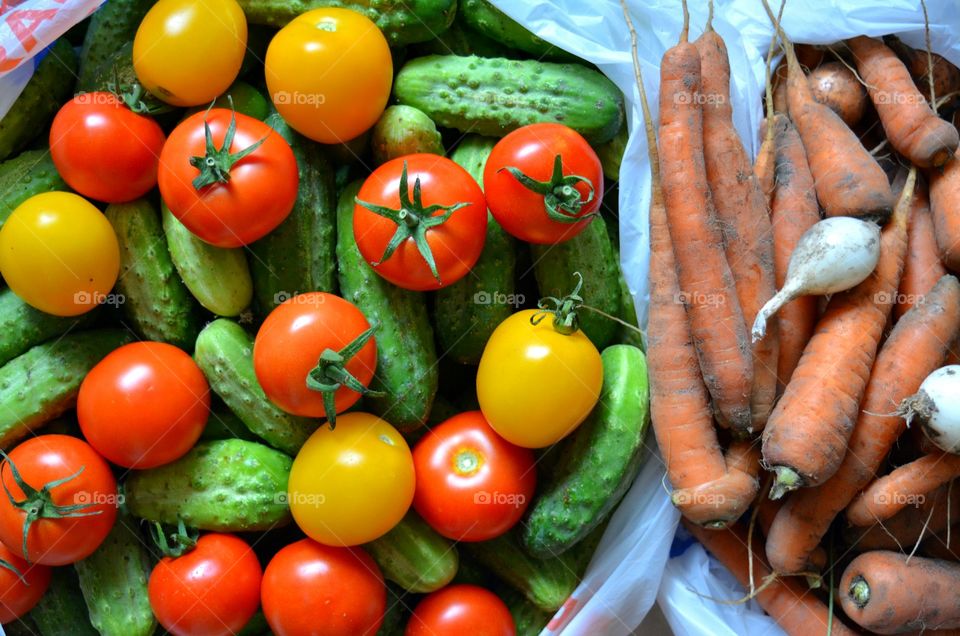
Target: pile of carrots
(787, 457)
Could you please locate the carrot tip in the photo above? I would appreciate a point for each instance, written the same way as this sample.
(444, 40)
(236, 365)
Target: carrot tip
(860, 592)
(786, 480)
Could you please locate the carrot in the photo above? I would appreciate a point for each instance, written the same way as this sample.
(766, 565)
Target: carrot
(744, 456)
(945, 208)
(780, 88)
(902, 531)
(835, 86)
(912, 127)
(946, 76)
(922, 268)
(890, 593)
(795, 608)
(763, 167)
(741, 210)
(916, 346)
(806, 438)
(906, 485)
(767, 510)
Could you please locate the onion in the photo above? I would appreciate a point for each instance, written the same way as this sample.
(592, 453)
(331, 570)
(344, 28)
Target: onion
(936, 406)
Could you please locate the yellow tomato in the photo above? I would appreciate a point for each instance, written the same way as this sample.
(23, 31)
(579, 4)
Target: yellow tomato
(329, 74)
(353, 484)
(59, 253)
(536, 385)
(187, 52)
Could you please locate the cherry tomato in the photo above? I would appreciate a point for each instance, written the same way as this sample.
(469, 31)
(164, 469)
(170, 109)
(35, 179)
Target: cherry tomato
(104, 150)
(562, 204)
(186, 52)
(213, 589)
(454, 245)
(231, 209)
(59, 254)
(289, 345)
(535, 385)
(19, 594)
(52, 540)
(461, 609)
(329, 73)
(351, 484)
(144, 405)
(472, 485)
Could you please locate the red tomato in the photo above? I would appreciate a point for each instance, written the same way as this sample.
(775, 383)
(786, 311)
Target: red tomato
(525, 212)
(144, 405)
(454, 244)
(252, 196)
(19, 595)
(61, 540)
(309, 588)
(472, 485)
(289, 344)
(104, 150)
(213, 589)
(461, 609)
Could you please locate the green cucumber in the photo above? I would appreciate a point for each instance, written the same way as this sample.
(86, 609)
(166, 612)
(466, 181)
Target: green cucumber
(468, 311)
(461, 40)
(224, 424)
(23, 626)
(228, 485)
(484, 18)
(404, 130)
(628, 314)
(472, 573)
(598, 463)
(156, 302)
(42, 383)
(402, 21)
(114, 24)
(29, 173)
(241, 97)
(22, 326)
(114, 582)
(611, 154)
(61, 611)
(117, 72)
(219, 278)
(224, 353)
(256, 626)
(300, 254)
(395, 618)
(592, 254)
(50, 86)
(414, 556)
(406, 359)
(493, 96)
(528, 619)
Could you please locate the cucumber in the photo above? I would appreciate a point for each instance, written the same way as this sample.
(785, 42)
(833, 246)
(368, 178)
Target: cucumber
(22, 326)
(472, 573)
(42, 383)
(224, 353)
(114, 24)
(219, 278)
(414, 556)
(493, 96)
(484, 18)
(592, 254)
(611, 154)
(402, 21)
(468, 311)
(23, 626)
(224, 424)
(300, 254)
(29, 173)
(528, 619)
(61, 611)
(114, 582)
(228, 485)
(395, 618)
(117, 72)
(241, 97)
(404, 130)
(461, 40)
(598, 463)
(256, 626)
(628, 314)
(156, 302)
(406, 358)
(50, 86)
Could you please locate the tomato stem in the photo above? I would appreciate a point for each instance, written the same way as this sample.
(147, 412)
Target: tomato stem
(10, 566)
(564, 310)
(180, 542)
(215, 165)
(132, 95)
(413, 221)
(561, 199)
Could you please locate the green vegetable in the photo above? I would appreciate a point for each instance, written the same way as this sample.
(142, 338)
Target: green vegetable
(117, 73)
(628, 314)
(241, 97)
(395, 618)
(414, 556)
(114, 24)
(61, 611)
(224, 424)
(484, 18)
(611, 154)
(461, 40)
(22, 326)
(527, 617)
(29, 173)
(256, 626)
(404, 130)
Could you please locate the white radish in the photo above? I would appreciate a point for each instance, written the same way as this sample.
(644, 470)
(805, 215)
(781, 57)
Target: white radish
(832, 256)
(936, 406)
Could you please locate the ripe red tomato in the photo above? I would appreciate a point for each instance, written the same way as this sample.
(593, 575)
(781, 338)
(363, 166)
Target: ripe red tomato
(289, 345)
(239, 202)
(54, 540)
(561, 205)
(472, 485)
(19, 595)
(454, 244)
(461, 609)
(104, 150)
(213, 589)
(144, 405)
(309, 588)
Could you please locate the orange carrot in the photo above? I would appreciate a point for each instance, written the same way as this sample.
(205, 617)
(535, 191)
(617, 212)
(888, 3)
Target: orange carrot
(945, 207)
(767, 510)
(946, 76)
(923, 268)
(903, 530)
(763, 167)
(834, 85)
(906, 485)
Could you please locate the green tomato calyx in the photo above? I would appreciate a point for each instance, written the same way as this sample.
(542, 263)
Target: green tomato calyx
(561, 199)
(180, 541)
(215, 165)
(564, 310)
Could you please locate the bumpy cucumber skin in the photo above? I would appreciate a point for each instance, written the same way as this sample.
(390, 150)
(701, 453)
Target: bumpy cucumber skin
(406, 358)
(299, 256)
(224, 352)
(114, 582)
(402, 21)
(461, 40)
(118, 70)
(224, 424)
(61, 611)
(404, 130)
(114, 24)
(29, 173)
(42, 383)
(219, 278)
(598, 462)
(414, 556)
(468, 311)
(22, 326)
(484, 18)
(228, 485)
(493, 96)
(50, 86)
(156, 302)
(592, 254)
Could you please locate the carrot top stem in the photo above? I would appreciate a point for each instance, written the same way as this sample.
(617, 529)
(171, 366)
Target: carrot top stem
(709, 26)
(685, 31)
(860, 592)
(785, 480)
